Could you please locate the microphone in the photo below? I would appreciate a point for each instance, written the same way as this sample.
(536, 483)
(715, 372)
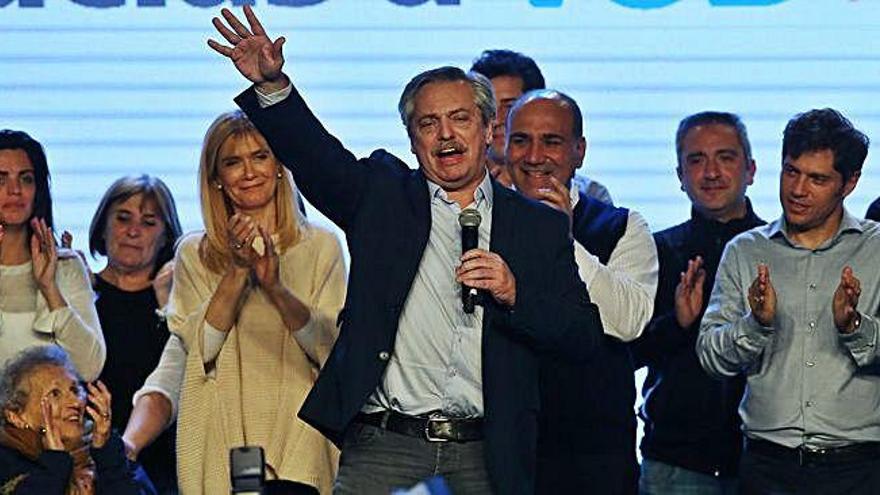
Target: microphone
(469, 219)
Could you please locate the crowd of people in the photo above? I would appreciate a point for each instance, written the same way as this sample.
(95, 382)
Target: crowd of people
(760, 339)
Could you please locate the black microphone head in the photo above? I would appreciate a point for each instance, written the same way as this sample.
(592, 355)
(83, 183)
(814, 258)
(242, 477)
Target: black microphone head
(469, 217)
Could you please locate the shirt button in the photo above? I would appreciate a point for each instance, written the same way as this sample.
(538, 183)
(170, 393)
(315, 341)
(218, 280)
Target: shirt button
(384, 356)
(812, 286)
(812, 325)
(810, 364)
(809, 403)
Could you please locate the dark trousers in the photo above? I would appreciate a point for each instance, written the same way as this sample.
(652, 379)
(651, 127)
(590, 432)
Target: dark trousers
(376, 461)
(766, 474)
(606, 474)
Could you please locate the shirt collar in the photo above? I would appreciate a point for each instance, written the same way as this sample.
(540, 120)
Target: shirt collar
(483, 193)
(574, 193)
(848, 223)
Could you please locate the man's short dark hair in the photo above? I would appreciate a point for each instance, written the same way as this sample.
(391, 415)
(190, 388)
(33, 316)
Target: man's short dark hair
(495, 63)
(731, 120)
(826, 129)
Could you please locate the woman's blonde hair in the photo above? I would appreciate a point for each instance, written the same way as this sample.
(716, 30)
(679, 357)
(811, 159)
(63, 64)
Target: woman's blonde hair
(216, 207)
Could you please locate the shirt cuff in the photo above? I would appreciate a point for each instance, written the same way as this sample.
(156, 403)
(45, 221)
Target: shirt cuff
(214, 340)
(864, 337)
(269, 99)
(754, 333)
(51, 320)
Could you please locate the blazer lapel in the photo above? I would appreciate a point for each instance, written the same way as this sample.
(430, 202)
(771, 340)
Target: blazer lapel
(416, 222)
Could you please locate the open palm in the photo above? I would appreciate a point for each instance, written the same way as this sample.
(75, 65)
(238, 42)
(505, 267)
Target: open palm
(258, 58)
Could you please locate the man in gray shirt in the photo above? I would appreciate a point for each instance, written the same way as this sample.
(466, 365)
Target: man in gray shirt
(795, 308)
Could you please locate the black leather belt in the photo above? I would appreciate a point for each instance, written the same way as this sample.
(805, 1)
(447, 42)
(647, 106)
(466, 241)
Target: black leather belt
(430, 429)
(804, 455)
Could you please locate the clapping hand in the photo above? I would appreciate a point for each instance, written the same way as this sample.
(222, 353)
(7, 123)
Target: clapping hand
(44, 255)
(845, 302)
(762, 297)
(99, 409)
(689, 293)
(266, 266)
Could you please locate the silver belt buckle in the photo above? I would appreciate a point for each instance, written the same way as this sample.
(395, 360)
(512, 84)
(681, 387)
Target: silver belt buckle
(428, 435)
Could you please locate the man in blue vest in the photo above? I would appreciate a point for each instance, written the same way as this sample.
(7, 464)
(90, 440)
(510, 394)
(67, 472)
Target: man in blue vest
(587, 426)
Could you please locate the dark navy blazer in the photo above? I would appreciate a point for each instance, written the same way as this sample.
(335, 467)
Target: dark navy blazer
(383, 208)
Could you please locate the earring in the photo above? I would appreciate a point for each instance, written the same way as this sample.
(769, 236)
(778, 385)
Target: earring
(219, 186)
(279, 174)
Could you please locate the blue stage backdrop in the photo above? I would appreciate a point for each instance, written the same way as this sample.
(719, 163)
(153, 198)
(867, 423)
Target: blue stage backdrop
(116, 87)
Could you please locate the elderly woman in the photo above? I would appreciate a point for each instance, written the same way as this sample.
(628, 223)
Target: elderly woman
(43, 446)
(45, 295)
(254, 304)
(136, 228)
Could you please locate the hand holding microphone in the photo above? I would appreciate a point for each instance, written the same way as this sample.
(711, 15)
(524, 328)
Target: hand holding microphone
(481, 269)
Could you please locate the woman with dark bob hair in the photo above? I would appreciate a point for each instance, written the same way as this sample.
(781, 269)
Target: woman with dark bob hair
(44, 445)
(45, 294)
(136, 228)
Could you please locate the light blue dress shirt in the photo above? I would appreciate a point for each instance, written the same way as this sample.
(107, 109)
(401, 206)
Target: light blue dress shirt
(808, 384)
(436, 365)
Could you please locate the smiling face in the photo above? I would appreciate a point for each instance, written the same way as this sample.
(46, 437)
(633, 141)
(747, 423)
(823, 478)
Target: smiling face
(134, 234)
(542, 144)
(449, 137)
(17, 187)
(61, 387)
(715, 172)
(812, 191)
(248, 172)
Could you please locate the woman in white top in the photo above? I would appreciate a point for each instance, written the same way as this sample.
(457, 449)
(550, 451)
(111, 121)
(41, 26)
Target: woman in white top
(45, 294)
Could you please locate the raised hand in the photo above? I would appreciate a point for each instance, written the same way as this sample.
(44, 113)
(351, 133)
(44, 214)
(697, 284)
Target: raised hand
(557, 196)
(485, 270)
(162, 283)
(50, 433)
(689, 293)
(258, 58)
(845, 302)
(266, 266)
(762, 297)
(44, 255)
(99, 409)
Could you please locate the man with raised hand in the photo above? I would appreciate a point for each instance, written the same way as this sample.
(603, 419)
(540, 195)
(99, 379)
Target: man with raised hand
(692, 438)
(417, 386)
(587, 427)
(794, 308)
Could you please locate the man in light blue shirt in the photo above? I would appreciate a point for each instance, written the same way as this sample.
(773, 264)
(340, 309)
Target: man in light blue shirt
(795, 308)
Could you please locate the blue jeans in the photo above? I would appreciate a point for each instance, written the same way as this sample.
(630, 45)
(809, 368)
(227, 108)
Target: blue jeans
(659, 478)
(376, 461)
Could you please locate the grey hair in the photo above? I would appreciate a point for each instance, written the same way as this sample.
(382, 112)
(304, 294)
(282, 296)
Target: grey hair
(13, 393)
(484, 97)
